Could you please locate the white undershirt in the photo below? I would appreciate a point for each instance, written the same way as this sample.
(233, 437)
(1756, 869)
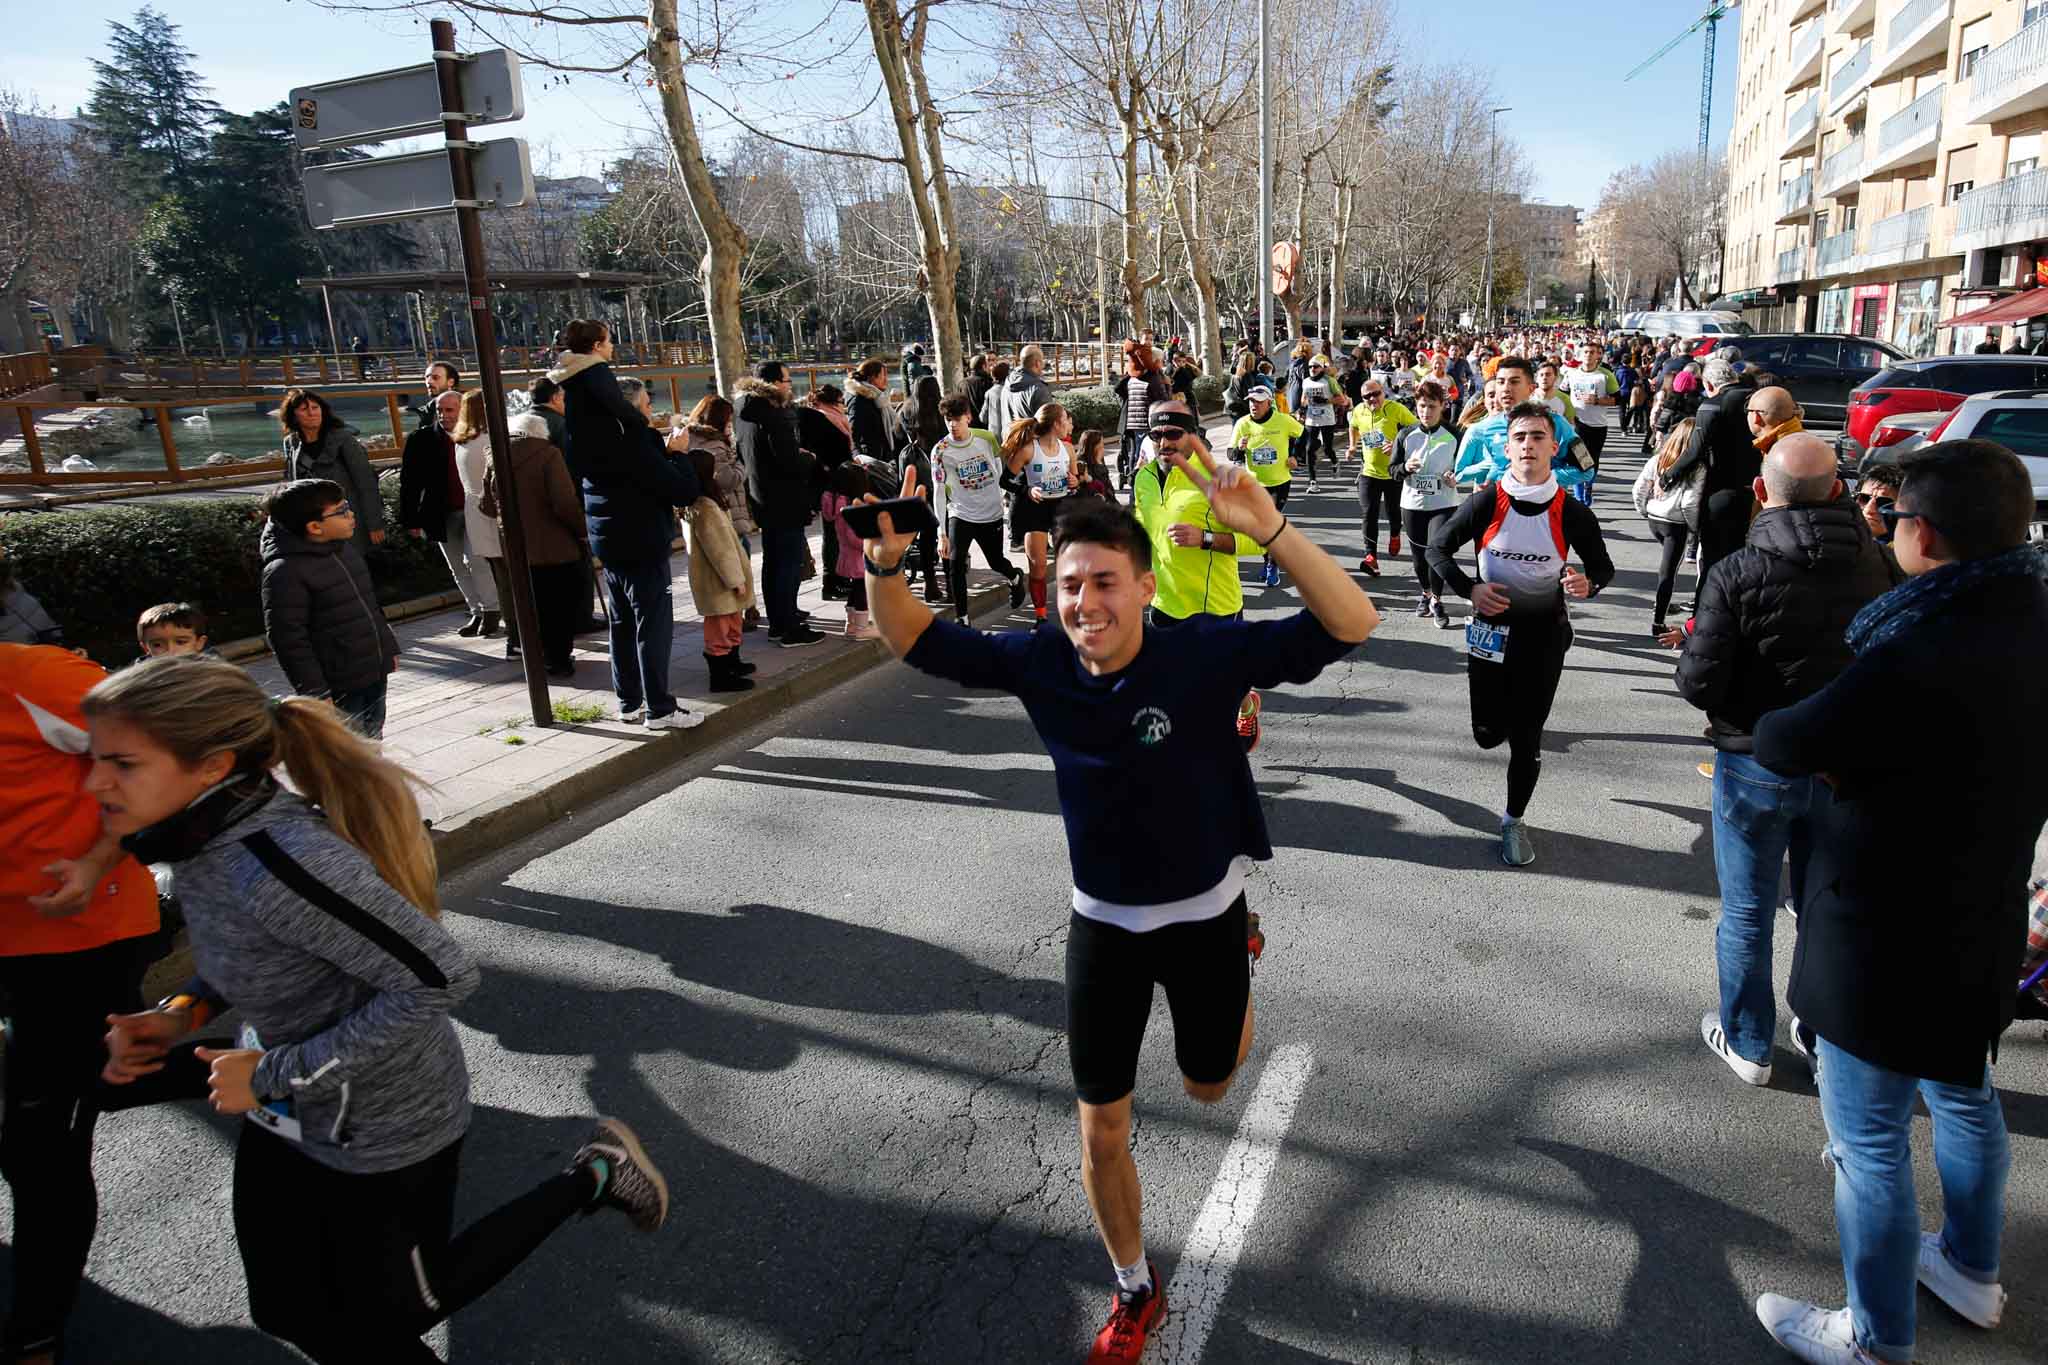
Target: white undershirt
(1141, 919)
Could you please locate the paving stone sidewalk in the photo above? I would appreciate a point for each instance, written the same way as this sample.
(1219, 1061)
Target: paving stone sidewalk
(458, 714)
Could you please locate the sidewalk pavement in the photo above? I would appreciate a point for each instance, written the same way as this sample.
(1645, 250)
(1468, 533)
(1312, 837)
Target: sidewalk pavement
(459, 718)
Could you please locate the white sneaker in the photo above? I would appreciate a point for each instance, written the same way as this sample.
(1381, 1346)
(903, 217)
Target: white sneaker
(634, 716)
(677, 719)
(1710, 1031)
(1981, 1303)
(1314, 487)
(1810, 1331)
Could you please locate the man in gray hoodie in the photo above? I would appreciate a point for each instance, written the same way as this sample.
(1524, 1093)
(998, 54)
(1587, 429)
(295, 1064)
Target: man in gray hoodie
(1021, 395)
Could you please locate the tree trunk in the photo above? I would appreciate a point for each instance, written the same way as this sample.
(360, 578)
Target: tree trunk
(913, 111)
(725, 241)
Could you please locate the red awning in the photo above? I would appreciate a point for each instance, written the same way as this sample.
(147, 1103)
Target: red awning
(2013, 308)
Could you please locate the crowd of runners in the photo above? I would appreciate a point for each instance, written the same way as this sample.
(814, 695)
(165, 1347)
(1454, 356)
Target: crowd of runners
(1818, 615)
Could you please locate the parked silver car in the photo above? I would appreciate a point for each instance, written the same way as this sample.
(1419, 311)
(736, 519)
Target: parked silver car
(2015, 418)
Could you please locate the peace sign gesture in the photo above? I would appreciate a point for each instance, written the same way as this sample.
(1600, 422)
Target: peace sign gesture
(1239, 500)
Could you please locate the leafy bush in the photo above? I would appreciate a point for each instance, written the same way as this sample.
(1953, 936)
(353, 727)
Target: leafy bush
(1096, 409)
(96, 568)
(1209, 391)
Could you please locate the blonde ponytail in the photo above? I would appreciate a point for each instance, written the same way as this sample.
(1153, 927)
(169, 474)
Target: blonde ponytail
(195, 708)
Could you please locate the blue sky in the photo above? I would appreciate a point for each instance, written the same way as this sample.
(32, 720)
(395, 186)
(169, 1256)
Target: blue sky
(1573, 113)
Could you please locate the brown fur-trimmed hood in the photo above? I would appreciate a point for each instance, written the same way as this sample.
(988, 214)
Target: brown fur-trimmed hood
(751, 387)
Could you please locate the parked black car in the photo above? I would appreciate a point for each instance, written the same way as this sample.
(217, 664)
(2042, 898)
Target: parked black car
(1820, 368)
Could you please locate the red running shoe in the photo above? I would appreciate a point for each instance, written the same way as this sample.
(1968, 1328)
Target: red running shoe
(1394, 545)
(1132, 1316)
(1254, 937)
(1371, 564)
(1248, 721)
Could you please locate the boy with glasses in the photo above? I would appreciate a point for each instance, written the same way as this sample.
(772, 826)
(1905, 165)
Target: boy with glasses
(320, 611)
(1877, 490)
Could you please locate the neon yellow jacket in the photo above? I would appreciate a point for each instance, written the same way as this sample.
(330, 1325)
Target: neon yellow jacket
(1191, 580)
(1266, 444)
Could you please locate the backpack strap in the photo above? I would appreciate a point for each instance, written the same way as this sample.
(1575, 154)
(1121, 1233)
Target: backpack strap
(1501, 503)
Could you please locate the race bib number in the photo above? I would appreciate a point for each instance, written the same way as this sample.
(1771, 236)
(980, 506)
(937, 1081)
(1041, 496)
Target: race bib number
(1424, 485)
(275, 1115)
(1264, 455)
(1049, 478)
(1375, 438)
(1485, 641)
(976, 474)
(1321, 415)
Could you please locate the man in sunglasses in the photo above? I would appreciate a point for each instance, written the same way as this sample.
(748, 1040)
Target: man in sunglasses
(1916, 908)
(1875, 491)
(1768, 633)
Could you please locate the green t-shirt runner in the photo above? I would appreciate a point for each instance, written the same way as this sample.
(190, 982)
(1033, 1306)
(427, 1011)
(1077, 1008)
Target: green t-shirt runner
(1265, 442)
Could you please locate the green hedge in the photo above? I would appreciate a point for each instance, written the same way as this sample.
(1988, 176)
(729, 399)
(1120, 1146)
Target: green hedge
(95, 569)
(1099, 409)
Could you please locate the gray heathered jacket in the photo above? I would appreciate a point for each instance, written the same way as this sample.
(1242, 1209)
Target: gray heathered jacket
(346, 983)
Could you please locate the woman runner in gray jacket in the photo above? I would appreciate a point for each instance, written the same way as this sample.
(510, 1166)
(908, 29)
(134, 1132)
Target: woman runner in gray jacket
(314, 916)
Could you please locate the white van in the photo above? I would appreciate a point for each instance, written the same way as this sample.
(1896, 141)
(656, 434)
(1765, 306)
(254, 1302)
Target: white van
(1699, 324)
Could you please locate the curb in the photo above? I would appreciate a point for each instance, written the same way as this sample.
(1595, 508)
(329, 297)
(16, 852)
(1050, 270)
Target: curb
(491, 827)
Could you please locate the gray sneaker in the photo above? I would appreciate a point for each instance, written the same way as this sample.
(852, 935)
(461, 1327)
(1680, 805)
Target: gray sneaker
(1515, 848)
(635, 1185)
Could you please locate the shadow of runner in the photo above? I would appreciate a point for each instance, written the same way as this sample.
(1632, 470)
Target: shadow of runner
(108, 1328)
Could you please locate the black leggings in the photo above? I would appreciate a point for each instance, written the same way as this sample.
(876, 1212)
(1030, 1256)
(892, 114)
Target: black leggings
(1313, 437)
(1671, 539)
(1724, 525)
(1511, 698)
(989, 536)
(1420, 525)
(1127, 457)
(353, 1268)
(57, 1006)
(1372, 493)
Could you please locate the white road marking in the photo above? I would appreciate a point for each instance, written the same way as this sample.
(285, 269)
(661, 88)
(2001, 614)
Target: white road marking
(1202, 1277)
(850, 783)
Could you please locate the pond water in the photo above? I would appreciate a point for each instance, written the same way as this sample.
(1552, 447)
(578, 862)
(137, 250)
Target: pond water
(245, 431)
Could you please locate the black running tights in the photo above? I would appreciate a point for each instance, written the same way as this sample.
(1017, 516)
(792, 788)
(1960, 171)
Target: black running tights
(1318, 438)
(1372, 495)
(1420, 525)
(965, 534)
(1671, 539)
(1511, 699)
(353, 1268)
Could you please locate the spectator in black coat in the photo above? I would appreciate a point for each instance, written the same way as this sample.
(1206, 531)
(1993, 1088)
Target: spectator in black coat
(442, 377)
(632, 491)
(597, 415)
(1722, 440)
(320, 611)
(980, 379)
(782, 483)
(877, 432)
(1932, 747)
(1768, 633)
(430, 505)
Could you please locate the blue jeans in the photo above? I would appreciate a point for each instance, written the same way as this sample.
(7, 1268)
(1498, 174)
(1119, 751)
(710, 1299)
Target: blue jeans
(1869, 1113)
(1759, 817)
(363, 708)
(782, 571)
(640, 603)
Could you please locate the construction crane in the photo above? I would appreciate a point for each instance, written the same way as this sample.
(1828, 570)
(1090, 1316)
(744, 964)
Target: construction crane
(1709, 20)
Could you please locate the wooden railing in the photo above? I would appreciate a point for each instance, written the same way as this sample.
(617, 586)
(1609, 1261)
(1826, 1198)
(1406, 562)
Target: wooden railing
(23, 371)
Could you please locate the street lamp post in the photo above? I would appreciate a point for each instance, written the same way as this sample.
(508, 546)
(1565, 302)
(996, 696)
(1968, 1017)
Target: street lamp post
(1265, 180)
(1492, 153)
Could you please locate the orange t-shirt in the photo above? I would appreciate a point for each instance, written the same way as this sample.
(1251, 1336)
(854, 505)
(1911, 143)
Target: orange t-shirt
(46, 815)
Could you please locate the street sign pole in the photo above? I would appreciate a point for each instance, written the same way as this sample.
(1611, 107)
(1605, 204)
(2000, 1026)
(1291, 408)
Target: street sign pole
(478, 287)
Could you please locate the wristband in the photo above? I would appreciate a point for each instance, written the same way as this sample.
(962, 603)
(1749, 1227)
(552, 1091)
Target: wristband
(195, 1009)
(1267, 542)
(877, 571)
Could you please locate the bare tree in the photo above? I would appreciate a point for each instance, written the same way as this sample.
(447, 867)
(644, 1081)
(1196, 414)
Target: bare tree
(1669, 214)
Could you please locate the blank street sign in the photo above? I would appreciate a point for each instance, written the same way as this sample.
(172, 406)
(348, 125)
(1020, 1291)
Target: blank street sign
(405, 102)
(389, 188)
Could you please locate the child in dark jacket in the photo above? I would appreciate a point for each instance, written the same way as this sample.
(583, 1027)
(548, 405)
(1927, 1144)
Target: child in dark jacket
(320, 611)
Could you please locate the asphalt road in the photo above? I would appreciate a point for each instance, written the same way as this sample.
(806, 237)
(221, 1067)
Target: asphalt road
(820, 968)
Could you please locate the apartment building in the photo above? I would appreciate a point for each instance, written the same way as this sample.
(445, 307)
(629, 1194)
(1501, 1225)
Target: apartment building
(1550, 237)
(1884, 173)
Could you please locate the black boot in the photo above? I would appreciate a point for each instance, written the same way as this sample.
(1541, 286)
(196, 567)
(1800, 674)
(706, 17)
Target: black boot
(488, 627)
(741, 666)
(469, 628)
(723, 677)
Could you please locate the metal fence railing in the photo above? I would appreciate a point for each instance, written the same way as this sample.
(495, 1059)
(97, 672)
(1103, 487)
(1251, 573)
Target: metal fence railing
(1849, 75)
(1795, 195)
(1922, 115)
(1906, 19)
(1901, 231)
(2019, 59)
(2017, 198)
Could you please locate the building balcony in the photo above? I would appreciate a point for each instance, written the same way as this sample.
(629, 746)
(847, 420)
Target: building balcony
(1901, 237)
(1795, 199)
(1806, 48)
(1801, 126)
(1850, 81)
(1802, 8)
(1842, 173)
(1909, 136)
(2012, 78)
(1916, 31)
(1837, 254)
(2014, 209)
(1846, 16)
(1791, 266)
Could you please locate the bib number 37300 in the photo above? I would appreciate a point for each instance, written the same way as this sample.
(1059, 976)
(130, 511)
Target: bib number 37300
(1484, 641)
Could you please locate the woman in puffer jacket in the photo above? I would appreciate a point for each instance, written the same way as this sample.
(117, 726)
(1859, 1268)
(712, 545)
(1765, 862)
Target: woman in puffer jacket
(710, 428)
(1673, 514)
